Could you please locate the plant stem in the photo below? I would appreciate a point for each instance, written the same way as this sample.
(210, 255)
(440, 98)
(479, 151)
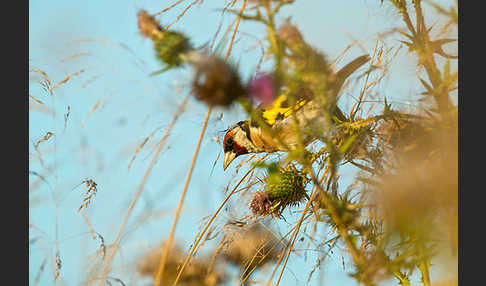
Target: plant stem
(163, 260)
(168, 244)
(188, 257)
(116, 244)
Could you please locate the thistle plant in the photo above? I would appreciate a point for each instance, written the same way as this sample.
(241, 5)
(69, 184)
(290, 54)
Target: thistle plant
(398, 154)
(171, 48)
(391, 217)
(284, 187)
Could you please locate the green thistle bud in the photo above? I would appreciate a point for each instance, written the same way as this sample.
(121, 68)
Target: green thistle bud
(169, 46)
(283, 188)
(289, 189)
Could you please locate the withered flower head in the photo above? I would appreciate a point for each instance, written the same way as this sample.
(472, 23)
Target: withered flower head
(289, 33)
(260, 204)
(147, 25)
(216, 82)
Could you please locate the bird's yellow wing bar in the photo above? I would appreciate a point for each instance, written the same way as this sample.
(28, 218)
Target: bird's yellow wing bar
(279, 110)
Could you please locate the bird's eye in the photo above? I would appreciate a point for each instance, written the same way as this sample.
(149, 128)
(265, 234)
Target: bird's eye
(228, 144)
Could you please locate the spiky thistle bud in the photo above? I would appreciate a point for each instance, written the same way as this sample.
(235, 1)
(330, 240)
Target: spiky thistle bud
(285, 188)
(289, 189)
(169, 46)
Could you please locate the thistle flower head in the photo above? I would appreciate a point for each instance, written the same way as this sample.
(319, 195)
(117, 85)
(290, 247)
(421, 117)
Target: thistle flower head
(261, 204)
(251, 247)
(289, 189)
(262, 88)
(216, 82)
(284, 188)
(169, 46)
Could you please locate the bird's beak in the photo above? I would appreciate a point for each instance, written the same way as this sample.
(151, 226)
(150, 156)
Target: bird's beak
(228, 158)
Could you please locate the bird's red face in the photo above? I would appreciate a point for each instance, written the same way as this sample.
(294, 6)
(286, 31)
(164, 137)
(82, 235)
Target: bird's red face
(231, 148)
(230, 144)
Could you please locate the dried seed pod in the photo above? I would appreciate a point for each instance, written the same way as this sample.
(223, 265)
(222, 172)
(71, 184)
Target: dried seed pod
(148, 26)
(216, 82)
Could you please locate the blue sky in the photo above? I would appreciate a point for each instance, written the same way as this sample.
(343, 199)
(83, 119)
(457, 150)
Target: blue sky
(101, 38)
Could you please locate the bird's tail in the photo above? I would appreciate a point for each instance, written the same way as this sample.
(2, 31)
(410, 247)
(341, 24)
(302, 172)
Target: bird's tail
(342, 75)
(350, 68)
(339, 114)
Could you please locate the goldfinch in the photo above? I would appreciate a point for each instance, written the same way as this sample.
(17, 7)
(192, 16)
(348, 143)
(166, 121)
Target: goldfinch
(247, 137)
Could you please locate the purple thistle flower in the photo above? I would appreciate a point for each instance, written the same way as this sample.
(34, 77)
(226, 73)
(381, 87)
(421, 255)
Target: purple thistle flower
(262, 88)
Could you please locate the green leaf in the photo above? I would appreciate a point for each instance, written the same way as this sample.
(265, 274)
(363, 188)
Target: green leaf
(166, 68)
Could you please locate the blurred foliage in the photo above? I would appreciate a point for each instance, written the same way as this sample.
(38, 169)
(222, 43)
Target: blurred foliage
(402, 208)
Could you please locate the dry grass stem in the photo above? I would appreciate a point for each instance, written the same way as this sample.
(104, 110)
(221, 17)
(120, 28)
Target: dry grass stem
(35, 99)
(160, 270)
(44, 139)
(91, 230)
(168, 8)
(93, 109)
(68, 77)
(182, 14)
(111, 256)
(235, 29)
(137, 151)
(75, 56)
(213, 217)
